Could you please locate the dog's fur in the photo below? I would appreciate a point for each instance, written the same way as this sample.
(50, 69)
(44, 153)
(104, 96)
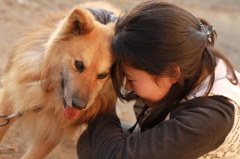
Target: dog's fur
(41, 77)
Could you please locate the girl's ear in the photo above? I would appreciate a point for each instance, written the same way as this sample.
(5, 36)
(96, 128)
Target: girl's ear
(173, 80)
(176, 74)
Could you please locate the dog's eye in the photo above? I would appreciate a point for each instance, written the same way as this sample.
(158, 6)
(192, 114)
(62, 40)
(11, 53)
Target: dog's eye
(102, 76)
(79, 66)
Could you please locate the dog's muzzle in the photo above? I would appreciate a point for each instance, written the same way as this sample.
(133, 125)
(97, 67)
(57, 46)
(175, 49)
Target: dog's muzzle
(76, 103)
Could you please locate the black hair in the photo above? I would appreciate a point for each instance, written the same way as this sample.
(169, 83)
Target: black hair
(156, 37)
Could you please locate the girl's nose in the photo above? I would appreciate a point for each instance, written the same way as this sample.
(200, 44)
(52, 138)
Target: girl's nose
(128, 86)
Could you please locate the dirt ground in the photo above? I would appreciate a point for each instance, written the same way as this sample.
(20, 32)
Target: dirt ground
(17, 15)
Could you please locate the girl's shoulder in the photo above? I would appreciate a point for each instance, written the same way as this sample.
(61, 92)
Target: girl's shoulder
(206, 105)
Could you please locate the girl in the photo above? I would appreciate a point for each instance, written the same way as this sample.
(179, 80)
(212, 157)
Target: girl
(187, 93)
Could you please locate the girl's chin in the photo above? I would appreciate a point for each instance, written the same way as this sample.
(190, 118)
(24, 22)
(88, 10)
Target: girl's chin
(149, 103)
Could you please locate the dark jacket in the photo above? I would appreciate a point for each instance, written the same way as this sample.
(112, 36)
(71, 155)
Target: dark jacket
(192, 131)
(102, 15)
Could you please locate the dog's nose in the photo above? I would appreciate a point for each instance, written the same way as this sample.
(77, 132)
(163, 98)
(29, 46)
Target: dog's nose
(79, 104)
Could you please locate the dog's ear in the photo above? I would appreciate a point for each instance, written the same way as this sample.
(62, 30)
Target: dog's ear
(78, 22)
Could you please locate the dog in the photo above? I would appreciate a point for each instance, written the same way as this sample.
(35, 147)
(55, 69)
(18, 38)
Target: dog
(57, 79)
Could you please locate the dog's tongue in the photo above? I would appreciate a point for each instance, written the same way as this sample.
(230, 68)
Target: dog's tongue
(71, 113)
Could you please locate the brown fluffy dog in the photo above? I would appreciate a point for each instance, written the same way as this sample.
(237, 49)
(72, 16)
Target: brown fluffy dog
(63, 62)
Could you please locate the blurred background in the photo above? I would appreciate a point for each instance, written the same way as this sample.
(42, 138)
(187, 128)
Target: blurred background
(17, 15)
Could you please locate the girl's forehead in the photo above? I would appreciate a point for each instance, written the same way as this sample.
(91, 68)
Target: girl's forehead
(126, 68)
(131, 71)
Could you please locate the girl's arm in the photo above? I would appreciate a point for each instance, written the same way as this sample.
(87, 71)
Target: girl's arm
(190, 133)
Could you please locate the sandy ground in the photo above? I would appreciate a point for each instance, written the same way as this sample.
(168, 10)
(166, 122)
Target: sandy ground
(17, 15)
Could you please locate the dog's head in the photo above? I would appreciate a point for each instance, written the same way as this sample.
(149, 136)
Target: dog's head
(78, 60)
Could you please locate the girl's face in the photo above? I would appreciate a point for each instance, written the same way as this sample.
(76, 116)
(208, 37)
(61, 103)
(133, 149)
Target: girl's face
(145, 86)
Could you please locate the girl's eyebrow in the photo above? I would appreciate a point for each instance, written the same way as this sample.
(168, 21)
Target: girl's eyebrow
(129, 76)
(126, 74)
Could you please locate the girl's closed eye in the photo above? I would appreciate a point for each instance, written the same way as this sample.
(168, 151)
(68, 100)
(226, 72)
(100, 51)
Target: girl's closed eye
(130, 80)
